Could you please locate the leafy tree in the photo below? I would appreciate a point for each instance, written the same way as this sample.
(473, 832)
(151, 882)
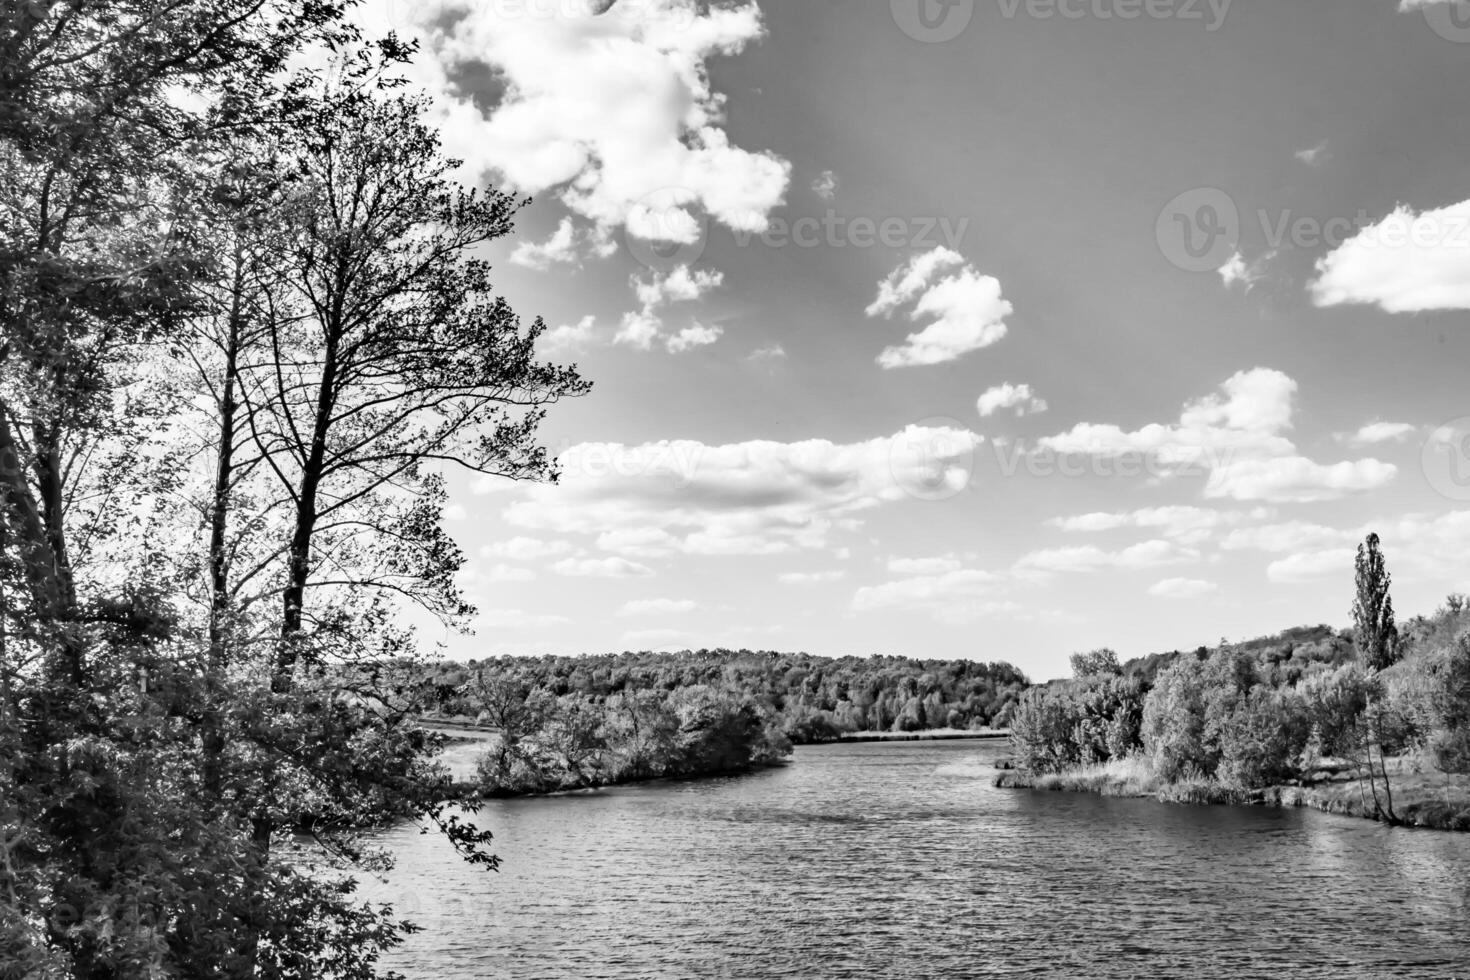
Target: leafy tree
(1375, 633)
(1101, 662)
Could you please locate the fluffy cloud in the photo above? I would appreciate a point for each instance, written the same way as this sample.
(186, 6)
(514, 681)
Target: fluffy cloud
(1009, 396)
(811, 578)
(573, 336)
(1238, 272)
(1089, 558)
(756, 497)
(657, 607)
(605, 104)
(1183, 588)
(1407, 263)
(525, 549)
(692, 336)
(965, 309)
(613, 567)
(825, 185)
(1315, 156)
(957, 597)
(560, 248)
(1312, 565)
(1190, 524)
(1378, 432)
(924, 566)
(1237, 437)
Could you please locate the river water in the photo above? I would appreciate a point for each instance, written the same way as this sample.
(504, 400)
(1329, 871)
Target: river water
(901, 860)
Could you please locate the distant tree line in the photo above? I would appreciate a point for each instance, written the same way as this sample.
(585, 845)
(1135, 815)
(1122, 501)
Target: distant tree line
(806, 698)
(1254, 714)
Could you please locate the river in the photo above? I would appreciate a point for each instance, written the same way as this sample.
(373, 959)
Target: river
(901, 860)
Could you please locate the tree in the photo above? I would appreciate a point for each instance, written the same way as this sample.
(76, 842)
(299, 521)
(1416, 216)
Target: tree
(1101, 662)
(1375, 634)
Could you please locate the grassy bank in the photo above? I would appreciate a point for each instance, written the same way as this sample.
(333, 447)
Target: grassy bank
(1421, 797)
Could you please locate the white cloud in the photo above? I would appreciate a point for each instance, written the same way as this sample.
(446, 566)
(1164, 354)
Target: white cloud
(923, 566)
(692, 336)
(1009, 396)
(657, 607)
(825, 185)
(1288, 536)
(1189, 524)
(757, 497)
(1237, 437)
(767, 354)
(1312, 565)
(1237, 271)
(601, 568)
(678, 285)
(570, 336)
(1378, 432)
(1407, 263)
(560, 248)
(639, 329)
(1089, 558)
(811, 578)
(604, 104)
(525, 549)
(638, 542)
(1183, 588)
(1315, 156)
(965, 309)
(502, 572)
(956, 597)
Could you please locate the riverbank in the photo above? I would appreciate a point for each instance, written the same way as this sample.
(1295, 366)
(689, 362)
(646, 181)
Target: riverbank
(1420, 798)
(929, 735)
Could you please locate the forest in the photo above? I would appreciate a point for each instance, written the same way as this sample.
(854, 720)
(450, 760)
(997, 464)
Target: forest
(1373, 720)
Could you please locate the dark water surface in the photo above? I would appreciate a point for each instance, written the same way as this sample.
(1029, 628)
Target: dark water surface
(871, 861)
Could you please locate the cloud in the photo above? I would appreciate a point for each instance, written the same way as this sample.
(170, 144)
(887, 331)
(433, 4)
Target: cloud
(1316, 156)
(811, 578)
(603, 104)
(923, 566)
(768, 354)
(1009, 396)
(1237, 437)
(1407, 263)
(1089, 558)
(1378, 432)
(692, 336)
(955, 597)
(525, 549)
(639, 330)
(657, 607)
(1189, 524)
(1183, 588)
(560, 248)
(502, 572)
(643, 328)
(570, 336)
(1237, 271)
(825, 185)
(966, 309)
(601, 568)
(1312, 565)
(758, 497)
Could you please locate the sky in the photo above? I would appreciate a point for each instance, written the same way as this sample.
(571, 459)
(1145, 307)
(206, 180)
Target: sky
(987, 329)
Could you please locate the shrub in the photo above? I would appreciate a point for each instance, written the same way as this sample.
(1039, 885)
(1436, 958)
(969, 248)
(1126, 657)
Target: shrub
(1174, 721)
(1262, 740)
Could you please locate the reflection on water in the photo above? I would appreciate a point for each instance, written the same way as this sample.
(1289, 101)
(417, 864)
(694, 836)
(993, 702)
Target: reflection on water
(903, 861)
